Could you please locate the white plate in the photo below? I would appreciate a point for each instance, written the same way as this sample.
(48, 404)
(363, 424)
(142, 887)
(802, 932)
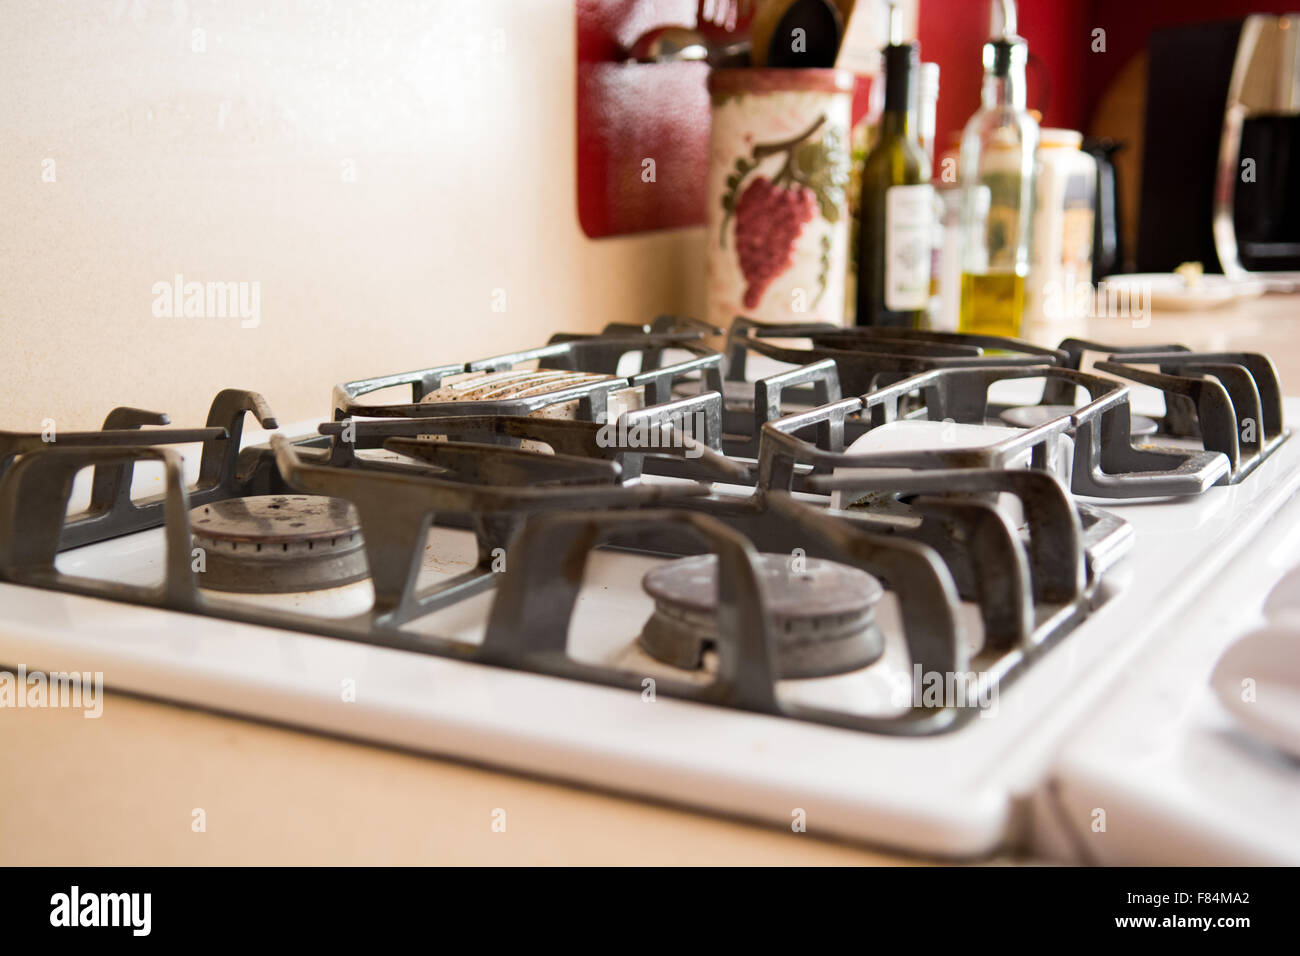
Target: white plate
(1167, 291)
(1258, 680)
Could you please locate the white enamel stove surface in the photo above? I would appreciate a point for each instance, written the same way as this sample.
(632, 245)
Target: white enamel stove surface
(961, 794)
(1175, 777)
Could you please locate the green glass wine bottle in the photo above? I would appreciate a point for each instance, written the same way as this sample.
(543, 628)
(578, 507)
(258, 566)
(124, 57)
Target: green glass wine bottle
(897, 202)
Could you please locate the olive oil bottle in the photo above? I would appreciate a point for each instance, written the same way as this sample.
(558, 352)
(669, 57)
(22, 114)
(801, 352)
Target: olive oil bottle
(894, 245)
(991, 303)
(996, 175)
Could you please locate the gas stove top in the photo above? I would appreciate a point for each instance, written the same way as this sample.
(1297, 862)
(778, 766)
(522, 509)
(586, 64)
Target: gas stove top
(868, 582)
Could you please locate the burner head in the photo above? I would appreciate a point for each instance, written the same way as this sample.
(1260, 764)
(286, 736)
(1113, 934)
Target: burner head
(1031, 416)
(824, 614)
(270, 544)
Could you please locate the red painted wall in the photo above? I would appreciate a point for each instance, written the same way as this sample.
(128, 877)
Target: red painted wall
(1066, 79)
(952, 34)
(1128, 24)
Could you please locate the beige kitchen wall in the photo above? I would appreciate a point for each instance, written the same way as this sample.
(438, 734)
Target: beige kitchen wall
(394, 181)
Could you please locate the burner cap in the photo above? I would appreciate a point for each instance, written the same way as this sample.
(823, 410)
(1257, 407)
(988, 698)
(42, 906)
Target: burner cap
(1031, 416)
(269, 544)
(824, 614)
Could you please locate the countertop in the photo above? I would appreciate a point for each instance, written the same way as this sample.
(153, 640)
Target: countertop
(123, 789)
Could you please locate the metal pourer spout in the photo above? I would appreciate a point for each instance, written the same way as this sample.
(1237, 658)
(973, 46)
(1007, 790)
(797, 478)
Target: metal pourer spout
(1004, 50)
(1006, 29)
(895, 24)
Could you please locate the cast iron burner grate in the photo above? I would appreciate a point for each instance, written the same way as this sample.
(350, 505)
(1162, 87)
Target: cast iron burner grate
(756, 479)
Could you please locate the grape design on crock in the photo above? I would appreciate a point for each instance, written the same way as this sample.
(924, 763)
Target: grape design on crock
(769, 219)
(771, 213)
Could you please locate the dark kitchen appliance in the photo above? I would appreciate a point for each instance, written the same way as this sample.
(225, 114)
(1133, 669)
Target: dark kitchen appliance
(1108, 227)
(1221, 170)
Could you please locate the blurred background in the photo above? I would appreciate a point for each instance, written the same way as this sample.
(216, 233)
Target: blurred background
(409, 182)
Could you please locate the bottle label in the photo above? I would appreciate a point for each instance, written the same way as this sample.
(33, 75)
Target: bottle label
(909, 217)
